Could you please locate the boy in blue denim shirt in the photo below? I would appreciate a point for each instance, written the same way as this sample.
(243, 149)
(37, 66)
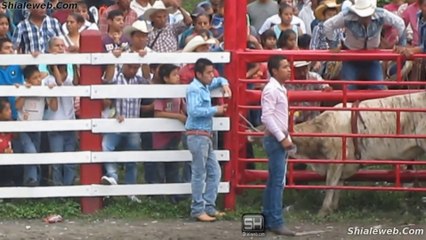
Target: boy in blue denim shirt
(206, 171)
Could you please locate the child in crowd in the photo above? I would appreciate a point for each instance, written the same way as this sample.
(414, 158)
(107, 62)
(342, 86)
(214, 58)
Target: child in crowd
(268, 39)
(62, 141)
(7, 173)
(114, 39)
(304, 41)
(287, 40)
(201, 22)
(5, 28)
(286, 14)
(169, 108)
(72, 38)
(32, 109)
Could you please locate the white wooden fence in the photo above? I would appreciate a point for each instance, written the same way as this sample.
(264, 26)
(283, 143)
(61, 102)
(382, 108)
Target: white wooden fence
(105, 125)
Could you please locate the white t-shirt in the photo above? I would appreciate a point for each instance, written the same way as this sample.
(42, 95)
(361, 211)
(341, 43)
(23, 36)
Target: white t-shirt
(34, 107)
(65, 104)
(87, 26)
(139, 9)
(275, 20)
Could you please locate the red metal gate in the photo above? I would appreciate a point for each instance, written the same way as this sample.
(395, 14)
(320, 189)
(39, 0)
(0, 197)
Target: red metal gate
(243, 100)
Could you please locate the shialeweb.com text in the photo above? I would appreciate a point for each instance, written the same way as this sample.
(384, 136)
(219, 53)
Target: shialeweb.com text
(30, 6)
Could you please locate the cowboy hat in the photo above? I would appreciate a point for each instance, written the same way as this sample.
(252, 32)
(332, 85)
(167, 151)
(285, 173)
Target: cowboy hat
(327, 4)
(196, 42)
(298, 64)
(157, 6)
(364, 8)
(137, 26)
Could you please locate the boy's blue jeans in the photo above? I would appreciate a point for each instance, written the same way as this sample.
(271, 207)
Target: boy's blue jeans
(63, 174)
(273, 194)
(30, 143)
(130, 142)
(206, 173)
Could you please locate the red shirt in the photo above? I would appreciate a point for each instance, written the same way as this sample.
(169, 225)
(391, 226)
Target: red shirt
(5, 143)
(160, 140)
(61, 15)
(187, 74)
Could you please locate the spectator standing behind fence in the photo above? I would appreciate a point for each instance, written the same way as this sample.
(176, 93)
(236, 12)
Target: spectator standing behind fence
(323, 12)
(123, 108)
(32, 109)
(72, 38)
(64, 141)
(206, 172)
(138, 35)
(277, 142)
(421, 47)
(6, 29)
(287, 40)
(32, 34)
(129, 16)
(163, 38)
(8, 173)
(201, 25)
(362, 24)
(84, 12)
(276, 20)
(114, 39)
(286, 15)
(173, 109)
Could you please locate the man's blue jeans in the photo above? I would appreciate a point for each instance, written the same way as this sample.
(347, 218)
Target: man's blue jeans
(273, 195)
(30, 143)
(63, 174)
(362, 70)
(206, 173)
(129, 142)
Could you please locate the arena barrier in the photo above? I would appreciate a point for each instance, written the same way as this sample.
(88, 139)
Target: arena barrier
(91, 125)
(244, 100)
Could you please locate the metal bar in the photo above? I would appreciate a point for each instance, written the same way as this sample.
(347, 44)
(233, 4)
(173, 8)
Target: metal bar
(348, 161)
(358, 135)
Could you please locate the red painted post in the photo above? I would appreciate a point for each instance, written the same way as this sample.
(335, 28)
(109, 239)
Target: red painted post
(235, 15)
(90, 42)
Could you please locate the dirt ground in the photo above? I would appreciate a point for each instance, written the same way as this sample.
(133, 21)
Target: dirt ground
(171, 230)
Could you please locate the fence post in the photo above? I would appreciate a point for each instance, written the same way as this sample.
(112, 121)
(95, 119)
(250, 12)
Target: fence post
(90, 42)
(235, 16)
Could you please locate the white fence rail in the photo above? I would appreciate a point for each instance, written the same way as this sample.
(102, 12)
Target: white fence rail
(98, 126)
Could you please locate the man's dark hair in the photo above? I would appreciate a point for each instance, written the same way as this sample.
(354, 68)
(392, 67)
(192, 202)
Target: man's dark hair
(114, 13)
(3, 41)
(201, 64)
(274, 63)
(30, 70)
(3, 102)
(304, 41)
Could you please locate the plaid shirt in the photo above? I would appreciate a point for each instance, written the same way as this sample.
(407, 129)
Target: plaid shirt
(128, 107)
(129, 18)
(30, 38)
(167, 40)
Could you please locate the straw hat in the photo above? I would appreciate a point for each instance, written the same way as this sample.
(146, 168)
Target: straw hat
(196, 42)
(298, 64)
(327, 4)
(137, 26)
(364, 8)
(157, 6)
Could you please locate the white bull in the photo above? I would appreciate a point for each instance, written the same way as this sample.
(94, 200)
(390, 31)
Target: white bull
(369, 148)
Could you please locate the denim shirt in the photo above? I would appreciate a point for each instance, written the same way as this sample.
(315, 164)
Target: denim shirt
(357, 36)
(199, 106)
(422, 31)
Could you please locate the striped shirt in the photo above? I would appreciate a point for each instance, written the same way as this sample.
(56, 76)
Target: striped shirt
(30, 38)
(167, 37)
(128, 107)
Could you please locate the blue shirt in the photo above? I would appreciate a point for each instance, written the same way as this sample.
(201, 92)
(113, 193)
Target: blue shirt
(11, 75)
(422, 31)
(199, 105)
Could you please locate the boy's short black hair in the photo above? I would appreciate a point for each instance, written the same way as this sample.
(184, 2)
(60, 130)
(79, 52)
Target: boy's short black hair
(3, 41)
(3, 102)
(114, 13)
(201, 64)
(30, 70)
